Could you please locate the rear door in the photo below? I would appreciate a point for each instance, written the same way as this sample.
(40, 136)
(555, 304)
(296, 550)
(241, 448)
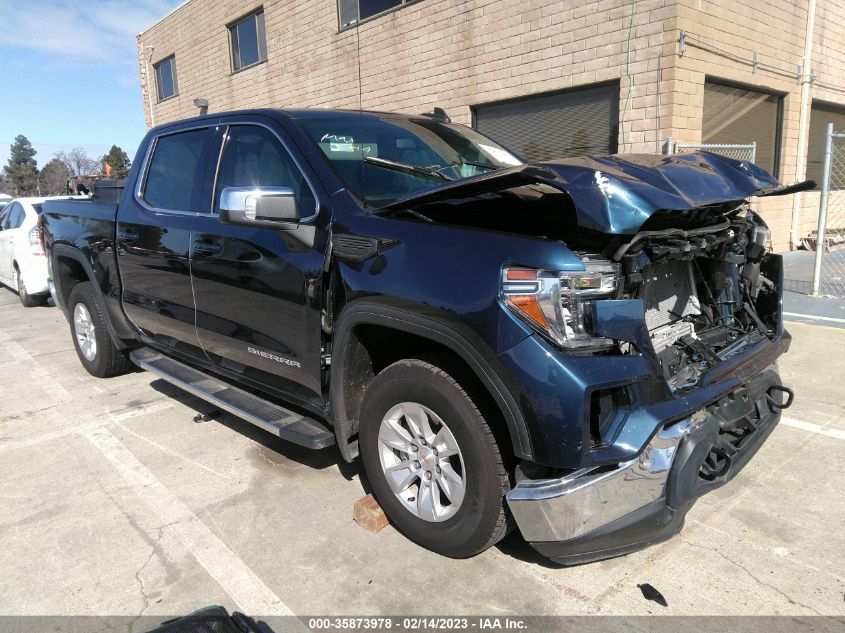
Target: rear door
(154, 235)
(258, 290)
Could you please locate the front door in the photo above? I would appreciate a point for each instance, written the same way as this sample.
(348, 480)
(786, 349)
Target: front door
(258, 289)
(154, 236)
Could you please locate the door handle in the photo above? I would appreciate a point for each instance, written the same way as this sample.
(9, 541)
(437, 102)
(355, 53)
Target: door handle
(127, 236)
(207, 248)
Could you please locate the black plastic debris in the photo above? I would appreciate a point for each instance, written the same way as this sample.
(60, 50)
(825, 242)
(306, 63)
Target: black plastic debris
(650, 593)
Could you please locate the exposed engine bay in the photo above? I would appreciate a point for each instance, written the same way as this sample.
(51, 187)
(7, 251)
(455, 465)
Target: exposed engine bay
(704, 278)
(676, 232)
(706, 292)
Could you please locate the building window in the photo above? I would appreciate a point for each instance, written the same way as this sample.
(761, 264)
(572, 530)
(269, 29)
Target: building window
(350, 12)
(249, 45)
(820, 115)
(166, 78)
(555, 125)
(735, 115)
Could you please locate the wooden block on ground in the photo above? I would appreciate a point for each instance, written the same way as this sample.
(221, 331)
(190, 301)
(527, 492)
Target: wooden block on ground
(367, 513)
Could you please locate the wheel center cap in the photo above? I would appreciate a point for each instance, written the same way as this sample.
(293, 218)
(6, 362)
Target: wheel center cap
(427, 458)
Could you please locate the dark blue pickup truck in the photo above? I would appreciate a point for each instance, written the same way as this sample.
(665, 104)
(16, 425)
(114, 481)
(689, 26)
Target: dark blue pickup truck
(580, 348)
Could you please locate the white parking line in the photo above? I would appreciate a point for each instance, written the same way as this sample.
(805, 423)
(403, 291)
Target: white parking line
(79, 429)
(246, 589)
(813, 317)
(813, 428)
(41, 376)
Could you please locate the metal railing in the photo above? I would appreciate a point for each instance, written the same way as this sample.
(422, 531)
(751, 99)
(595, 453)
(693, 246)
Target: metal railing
(829, 242)
(738, 152)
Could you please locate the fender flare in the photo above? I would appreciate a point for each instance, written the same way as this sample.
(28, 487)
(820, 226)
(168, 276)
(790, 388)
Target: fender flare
(65, 251)
(373, 314)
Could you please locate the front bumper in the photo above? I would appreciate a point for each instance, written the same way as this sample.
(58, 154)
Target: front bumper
(600, 512)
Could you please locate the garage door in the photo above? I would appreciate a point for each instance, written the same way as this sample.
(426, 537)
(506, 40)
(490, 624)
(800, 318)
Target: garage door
(736, 114)
(555, 125)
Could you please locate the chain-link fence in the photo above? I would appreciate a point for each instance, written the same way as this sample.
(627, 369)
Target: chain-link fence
(829, 242)
(737, 152)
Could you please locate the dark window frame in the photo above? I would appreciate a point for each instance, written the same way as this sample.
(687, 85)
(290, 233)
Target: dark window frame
(781, 96)
(175, 85)
(260, 44)
(554, 93)
(355, 23)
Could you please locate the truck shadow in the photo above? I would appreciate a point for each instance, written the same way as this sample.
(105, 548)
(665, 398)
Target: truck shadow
(286, 451)
(515, 546)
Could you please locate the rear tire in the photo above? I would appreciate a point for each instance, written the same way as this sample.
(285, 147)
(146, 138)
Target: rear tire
(444, 489)
(27, 300)
(94, 345)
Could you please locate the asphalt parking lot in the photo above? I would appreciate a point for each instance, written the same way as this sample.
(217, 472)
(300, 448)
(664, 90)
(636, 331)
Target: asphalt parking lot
(116, 502)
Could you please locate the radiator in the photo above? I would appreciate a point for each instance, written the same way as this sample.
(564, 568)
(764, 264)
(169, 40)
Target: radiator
(668, 293)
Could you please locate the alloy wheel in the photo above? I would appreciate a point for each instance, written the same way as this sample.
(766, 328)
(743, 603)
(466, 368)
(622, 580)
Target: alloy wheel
(83, 329)
(422, 462)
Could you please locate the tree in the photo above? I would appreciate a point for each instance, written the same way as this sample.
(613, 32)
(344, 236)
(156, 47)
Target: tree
(77, 162)
(22, 167)
(53, 178)
(118, 160)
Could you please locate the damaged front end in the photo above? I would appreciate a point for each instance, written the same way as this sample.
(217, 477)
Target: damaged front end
(701, 306)
(675, 233)
(706, 294)
(654, 369)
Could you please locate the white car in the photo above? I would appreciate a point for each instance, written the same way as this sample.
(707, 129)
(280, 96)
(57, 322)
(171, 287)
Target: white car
(23, 266)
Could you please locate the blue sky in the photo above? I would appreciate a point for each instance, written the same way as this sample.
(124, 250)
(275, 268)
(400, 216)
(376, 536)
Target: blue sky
(69, 73)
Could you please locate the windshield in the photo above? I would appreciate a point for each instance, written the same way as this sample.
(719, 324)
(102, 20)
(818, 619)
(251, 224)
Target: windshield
(383, 159)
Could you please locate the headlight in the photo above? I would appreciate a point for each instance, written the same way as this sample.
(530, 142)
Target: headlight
(557, 304)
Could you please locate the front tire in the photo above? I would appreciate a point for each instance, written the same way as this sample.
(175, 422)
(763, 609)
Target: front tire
(27, 300)
(94, 345)
(432, 460)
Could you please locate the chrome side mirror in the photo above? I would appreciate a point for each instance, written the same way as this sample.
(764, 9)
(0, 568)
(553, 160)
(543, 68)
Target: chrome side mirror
(259, 206)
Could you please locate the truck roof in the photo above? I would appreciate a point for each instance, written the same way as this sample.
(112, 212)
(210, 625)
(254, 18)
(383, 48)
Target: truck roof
(297, 113)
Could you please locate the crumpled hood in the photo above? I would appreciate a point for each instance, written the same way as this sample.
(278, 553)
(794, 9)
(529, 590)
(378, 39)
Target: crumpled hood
(617, 194)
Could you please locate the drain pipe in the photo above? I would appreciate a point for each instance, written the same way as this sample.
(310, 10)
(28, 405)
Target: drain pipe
(803, 127)
(151, 48)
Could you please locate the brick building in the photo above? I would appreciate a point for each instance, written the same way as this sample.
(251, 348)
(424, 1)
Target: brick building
(549, 78)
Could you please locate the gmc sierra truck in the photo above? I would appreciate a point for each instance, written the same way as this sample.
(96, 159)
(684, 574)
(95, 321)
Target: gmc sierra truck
(579, 347)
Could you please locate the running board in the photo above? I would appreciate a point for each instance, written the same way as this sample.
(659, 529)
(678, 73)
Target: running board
(270, 417)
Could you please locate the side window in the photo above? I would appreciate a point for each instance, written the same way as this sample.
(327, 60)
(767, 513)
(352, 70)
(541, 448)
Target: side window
(178, 169)
(18, 216)
(254, 157)
(12, 216)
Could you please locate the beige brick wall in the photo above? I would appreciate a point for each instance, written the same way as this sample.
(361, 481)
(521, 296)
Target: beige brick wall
(452, 53)
(775, 30)
(457, 53)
